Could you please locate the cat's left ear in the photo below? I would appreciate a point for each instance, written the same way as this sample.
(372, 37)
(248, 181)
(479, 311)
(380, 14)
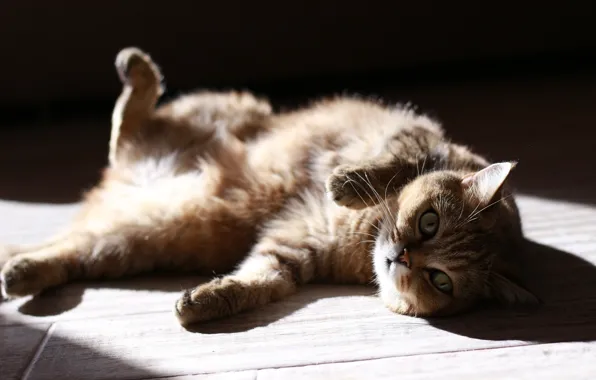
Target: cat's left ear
(485, 185)
(509, 293)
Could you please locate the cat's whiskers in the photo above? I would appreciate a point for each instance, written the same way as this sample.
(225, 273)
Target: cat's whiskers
(363, 233)
(389, 183)
(461, 213)
(417, 169)
(352, 182)
(423, 164)
(471, 214)
(381, 201)
(474, 215)
(491, 204)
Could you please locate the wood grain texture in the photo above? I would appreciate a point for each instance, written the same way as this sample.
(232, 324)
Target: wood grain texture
(153, 342)
(549, 361)
(243, 375)
(32, 223)
(84, 300)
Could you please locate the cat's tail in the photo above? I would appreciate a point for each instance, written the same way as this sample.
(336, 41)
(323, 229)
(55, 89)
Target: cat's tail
(142, 87)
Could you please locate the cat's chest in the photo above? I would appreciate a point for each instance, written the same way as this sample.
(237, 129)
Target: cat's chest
(352, 234)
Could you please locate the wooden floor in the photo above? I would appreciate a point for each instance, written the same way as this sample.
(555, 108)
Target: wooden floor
(126, 329)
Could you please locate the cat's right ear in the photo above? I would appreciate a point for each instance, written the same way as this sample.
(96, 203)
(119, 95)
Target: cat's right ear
(485, 185)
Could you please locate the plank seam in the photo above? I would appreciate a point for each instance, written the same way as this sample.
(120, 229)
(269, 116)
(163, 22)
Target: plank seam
(38, 352)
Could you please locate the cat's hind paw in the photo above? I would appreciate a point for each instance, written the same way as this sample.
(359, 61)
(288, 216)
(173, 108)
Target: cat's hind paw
(136, 68)
(23, 276)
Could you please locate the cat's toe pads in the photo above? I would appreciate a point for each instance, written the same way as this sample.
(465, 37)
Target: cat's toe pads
(213, 300)
(22, 277)
(343, 188)
(136, 68)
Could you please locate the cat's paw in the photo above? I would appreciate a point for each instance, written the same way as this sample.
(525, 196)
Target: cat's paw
(6, 252)
(344, 187)
(216, 299)
(136, 68)
(22, 276)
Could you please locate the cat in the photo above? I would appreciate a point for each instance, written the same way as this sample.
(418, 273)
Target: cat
(345, 190)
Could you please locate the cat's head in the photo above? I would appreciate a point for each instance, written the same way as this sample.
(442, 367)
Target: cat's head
(448, 240)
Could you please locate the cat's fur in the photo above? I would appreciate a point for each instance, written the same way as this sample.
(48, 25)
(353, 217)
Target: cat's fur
(218, 183)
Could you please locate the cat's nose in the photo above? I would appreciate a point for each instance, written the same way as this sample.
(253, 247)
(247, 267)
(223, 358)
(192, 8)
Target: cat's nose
(403, 258)
(400, 256)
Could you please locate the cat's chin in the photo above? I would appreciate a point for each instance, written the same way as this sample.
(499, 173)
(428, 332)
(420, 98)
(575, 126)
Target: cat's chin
(396, 302)
(393, 281)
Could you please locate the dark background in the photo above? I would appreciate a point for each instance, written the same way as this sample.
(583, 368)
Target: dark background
(514, 79)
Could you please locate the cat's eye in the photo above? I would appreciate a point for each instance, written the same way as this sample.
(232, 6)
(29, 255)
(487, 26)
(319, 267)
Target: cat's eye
(441, 281)
(429, 224)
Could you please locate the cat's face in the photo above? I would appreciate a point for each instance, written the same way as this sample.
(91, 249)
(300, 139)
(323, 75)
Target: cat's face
(441, 237)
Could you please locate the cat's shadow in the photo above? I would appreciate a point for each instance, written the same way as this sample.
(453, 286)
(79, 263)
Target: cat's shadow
(565, 283)
(59, 300)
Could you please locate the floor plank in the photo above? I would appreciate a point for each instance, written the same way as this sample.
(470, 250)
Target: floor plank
(156, 344)
(243, 375)
(31, 223)
(549, 361)
(86, 300)
(18, 345)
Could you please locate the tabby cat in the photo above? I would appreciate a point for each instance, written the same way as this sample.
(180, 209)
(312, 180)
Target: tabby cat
(344, 191)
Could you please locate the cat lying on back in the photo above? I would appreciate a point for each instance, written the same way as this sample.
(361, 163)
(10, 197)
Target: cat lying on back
(344, 191)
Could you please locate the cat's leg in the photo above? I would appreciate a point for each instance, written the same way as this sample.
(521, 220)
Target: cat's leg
(7, 252)
(78, 255)
(142, 86)
(369, 183)
(261, 279)
(107, 245)
(284, 258)
(30, 272)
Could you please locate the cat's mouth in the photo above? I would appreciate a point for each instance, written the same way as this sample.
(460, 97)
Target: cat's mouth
(397, 271)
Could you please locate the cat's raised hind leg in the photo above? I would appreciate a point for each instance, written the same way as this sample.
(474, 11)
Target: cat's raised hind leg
(142, 87)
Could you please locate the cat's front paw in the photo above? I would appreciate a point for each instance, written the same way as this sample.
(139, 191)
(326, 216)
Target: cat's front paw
(22, 276)
(216, 299)
(345, 187)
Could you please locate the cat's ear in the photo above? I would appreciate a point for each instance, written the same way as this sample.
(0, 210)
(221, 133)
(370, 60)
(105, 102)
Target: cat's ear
(510, 293)
(484, 185)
